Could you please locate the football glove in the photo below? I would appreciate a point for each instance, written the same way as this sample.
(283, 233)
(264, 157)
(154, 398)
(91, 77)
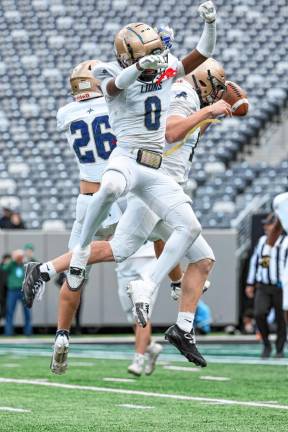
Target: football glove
(153, 61)
(207, 11)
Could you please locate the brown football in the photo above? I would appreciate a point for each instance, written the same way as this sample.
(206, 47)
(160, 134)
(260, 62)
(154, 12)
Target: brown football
(237, 98)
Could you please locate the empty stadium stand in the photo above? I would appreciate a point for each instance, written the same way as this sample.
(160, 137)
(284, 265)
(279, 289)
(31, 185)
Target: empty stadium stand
(42, 40)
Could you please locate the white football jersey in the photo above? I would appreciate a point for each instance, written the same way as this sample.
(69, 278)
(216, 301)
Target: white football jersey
(138, 114)
(184, 102)
(89, 135)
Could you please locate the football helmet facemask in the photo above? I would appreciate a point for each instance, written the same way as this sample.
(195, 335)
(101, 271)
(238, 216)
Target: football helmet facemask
(134, 41)
(83, 84)
(166, 34)
(208, 79)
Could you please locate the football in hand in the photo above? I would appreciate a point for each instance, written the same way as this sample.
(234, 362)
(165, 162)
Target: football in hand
(237, 98)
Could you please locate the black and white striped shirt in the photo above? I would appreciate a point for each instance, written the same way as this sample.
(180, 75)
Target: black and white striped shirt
(278, 259)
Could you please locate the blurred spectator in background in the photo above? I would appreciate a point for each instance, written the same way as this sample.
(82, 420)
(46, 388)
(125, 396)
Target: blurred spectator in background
(29, 253)
(5, 220)
(203, 318)
(264, 284)
(16, 221)
(11, 219)
(14, 267)
(3, 285)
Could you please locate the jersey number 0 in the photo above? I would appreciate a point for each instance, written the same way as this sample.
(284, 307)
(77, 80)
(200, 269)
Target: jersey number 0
(152, 113)
(104, 142)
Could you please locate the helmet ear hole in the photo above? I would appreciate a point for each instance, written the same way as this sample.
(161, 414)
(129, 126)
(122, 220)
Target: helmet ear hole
(203, 84)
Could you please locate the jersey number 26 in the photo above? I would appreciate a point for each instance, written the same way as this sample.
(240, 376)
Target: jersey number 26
(104, 141)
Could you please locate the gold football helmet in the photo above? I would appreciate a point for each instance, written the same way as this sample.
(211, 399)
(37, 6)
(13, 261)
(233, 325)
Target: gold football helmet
(208, 79)
(134, 41)
(83, 84)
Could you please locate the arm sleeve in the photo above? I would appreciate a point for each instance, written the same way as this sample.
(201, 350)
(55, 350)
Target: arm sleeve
(207, 42)
(104, 73)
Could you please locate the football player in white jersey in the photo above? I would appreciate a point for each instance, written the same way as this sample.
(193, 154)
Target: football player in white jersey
(138, 98)
(88, 132)
(209, 81)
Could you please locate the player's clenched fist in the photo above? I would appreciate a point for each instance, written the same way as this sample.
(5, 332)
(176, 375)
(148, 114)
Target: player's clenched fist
(154, 61)
(221, 108)
(207, 11)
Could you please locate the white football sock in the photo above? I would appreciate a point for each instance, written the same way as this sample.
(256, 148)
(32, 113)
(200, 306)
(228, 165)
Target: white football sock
(185, 321)
(139, 358)
(48, 268)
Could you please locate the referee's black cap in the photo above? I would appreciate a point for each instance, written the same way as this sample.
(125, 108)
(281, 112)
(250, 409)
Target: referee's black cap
(269, 219)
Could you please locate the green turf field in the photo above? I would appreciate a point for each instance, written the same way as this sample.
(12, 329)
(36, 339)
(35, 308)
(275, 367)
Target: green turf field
(250, 397)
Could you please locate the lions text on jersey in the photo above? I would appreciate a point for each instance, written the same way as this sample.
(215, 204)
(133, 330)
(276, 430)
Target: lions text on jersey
(138, 114)
(184, 102)
(89, 135)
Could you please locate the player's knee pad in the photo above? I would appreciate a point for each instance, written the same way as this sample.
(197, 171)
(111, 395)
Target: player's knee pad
(113, 185)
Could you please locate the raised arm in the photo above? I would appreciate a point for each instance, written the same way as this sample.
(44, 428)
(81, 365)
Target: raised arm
(207, 42)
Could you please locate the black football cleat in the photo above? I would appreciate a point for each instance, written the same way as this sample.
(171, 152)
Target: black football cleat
(33, 282)
(186, 344)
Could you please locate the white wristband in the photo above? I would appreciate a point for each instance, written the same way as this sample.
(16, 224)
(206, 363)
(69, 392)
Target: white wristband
(266, 250)
(207, 42)
(127, 77)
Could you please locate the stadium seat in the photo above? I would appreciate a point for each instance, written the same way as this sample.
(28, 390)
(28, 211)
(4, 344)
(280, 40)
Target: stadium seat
(41, 41)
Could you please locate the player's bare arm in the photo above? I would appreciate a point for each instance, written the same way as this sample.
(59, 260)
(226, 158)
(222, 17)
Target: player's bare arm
(178, 127)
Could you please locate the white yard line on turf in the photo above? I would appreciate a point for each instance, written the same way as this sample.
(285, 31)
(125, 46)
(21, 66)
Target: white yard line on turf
(121, 380)
(142, 393)
(182, 368)
(213, 378)
(76, 363)
(135, 406)
(10, 365)
(20, 410)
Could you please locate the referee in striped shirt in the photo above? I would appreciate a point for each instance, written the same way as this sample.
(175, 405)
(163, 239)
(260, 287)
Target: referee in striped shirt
(264, 283)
